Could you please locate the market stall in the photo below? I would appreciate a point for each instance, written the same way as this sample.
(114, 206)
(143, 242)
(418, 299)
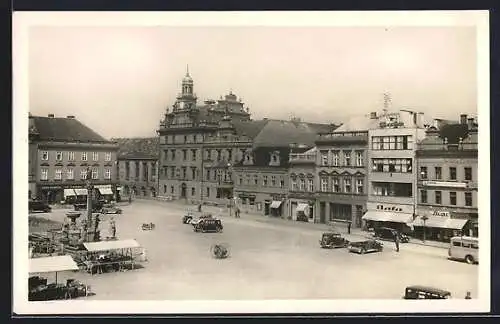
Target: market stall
(107, 256)
(40, 290)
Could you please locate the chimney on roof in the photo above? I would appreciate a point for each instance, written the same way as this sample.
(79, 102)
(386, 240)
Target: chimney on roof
(470, 122)
(70, 117)
(51, 115)
(463, 119)
(373, 115)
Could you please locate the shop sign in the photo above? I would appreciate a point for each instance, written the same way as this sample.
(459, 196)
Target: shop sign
(444, 184)
(441, 213)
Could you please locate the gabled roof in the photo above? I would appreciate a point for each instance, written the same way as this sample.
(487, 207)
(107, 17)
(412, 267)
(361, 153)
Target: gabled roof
(138, 147)
(250, 128)
(63, 130)
(283, 133)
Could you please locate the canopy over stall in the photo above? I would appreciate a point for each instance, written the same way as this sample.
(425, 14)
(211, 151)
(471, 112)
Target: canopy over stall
(104, 190)
(441, 222)
(302, 208)
(275, 204)
(52, 264)
(69, 193)
(81, 192)
(387, 216)
(111, 245)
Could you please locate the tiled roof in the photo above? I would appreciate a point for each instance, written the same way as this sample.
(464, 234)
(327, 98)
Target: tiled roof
(249, 128)
(453, 132)
(357, 123)
(282, 133)
(138, 148)
(63, 130)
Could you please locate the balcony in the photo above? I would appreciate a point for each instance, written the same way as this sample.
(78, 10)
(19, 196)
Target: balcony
(302, 158)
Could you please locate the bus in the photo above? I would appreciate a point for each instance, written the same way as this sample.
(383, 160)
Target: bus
(464, 248)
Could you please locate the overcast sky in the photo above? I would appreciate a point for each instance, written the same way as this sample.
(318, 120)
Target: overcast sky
(119, 80)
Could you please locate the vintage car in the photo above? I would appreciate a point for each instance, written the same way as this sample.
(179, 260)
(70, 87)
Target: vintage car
(186, 219)
(110, 209)
(424, 292)
(367, 246)
(332, 240)
(148, 226)
(208, 225)
(38, 206)
(202, 217)
(387, 233)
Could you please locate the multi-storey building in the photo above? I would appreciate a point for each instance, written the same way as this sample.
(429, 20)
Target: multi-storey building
(62, 151)
(137, 166)
(342, 170)
(392, 172)
(302, 184)
(262, 177)
(190, 129)
(448, 181)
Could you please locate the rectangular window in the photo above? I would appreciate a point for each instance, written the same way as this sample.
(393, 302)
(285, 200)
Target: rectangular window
(282, 182)
(95, 156)
(240, 180)
(359, 186)
(95, 173)
(273, 181)
(310, 185)
(59, 156)
(70, 174)
(438, 197)
(336, 158)
(185, 139)
(336, 185)
(207, 175)
(468, 173)
(184, 172)
(347, 158)
(107, 174)
(172, 172)
(437, 171)
(468, 199)
(107, 156)
(302, 184)
(423, 196)
(184, 155)
(264, 181)
(173, 155)
(193, 155)
(453, 173)
(193, 191)
(256, 180)
(347, 185)
(58, 174)
(294, 184)
(71, 156)
(229, 155)
(45, 156)
(423, 172)
(324, 157)
(453, 198)
(84, 156)
(83, 174)
(324, 184)
(44, 174)
(193, 173)
(359, 159)
(172, 190)
(392, 165)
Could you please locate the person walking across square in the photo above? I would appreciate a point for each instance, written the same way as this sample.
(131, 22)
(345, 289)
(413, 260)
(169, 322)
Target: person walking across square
(396, 240)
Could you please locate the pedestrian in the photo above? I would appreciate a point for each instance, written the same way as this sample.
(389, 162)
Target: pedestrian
(199, 208)
(349, 228)
(467, 295)
(130, 199)
(396, 240)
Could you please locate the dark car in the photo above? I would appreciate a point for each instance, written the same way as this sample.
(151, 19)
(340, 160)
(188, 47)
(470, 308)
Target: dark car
(208, 225)
(424, 292)
(363, 247)
(39, 206)
(186, 219)
(110, 209)
(331, 240)
(387, 233)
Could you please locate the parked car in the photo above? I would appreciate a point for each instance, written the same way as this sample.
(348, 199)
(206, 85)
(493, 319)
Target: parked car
(110, 209)
(208, 225)
(39, 206)
(464, 248)
(202, 217)
(331, 240)
(424, 292)
(387, 233)
(367, 246)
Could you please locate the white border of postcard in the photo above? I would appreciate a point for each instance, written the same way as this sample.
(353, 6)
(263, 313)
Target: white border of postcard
(23, 20)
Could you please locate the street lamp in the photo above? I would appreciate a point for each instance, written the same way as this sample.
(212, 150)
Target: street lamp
(424, 219)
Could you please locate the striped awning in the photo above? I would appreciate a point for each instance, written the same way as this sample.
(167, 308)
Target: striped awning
(387, 216)
(440, 222)
(81, 192)
(105, 191)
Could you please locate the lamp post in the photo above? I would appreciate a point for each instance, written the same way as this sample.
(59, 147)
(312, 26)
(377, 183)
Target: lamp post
(90, 193)
(225, 179)
(424, 219)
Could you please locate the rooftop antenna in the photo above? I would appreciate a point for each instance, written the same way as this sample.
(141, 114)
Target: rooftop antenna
(387, 102)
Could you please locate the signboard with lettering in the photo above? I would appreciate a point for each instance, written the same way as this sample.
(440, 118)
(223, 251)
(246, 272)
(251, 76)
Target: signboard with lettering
(441, 213)
(445, 184)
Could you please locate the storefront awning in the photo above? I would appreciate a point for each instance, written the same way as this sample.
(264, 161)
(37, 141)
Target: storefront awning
(110, 245)
(69, 192)
(440, 222)
(302, 207)
(275, 204)
(52, 264)
(387, 216)
(106, 191)
(81, 192)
